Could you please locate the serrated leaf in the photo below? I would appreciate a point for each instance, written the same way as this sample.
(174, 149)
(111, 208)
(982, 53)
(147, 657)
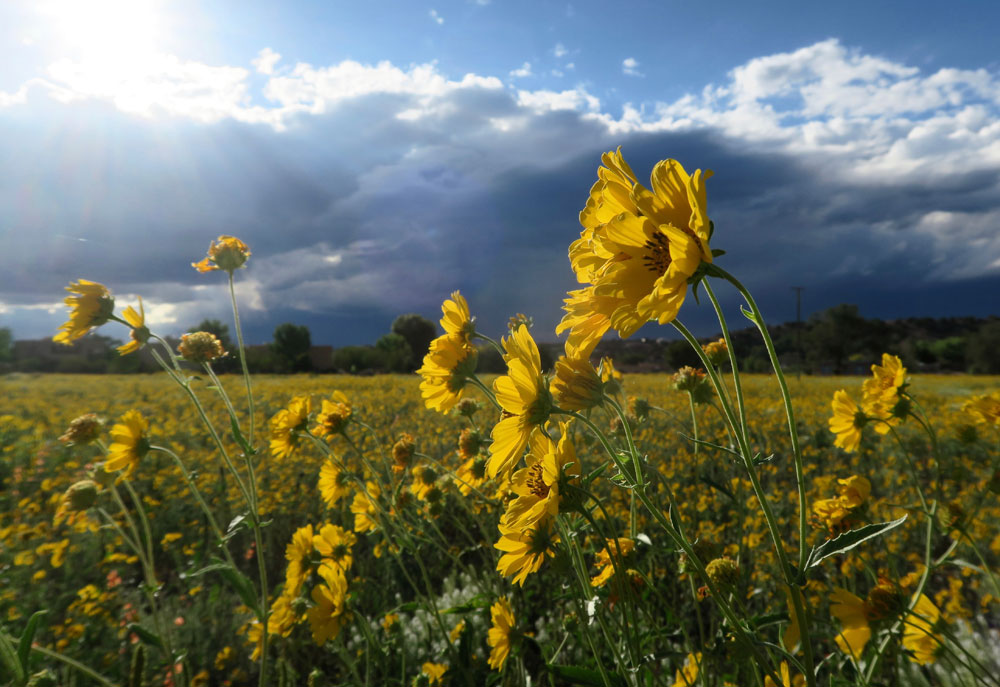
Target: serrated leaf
(8, 659)
(27, 637)
(147, 637)
(850, 539)
(575, 675)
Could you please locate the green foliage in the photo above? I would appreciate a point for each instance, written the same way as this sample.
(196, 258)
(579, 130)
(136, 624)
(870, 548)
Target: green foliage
(6, 344)
(418, 332)
(291, 346)
(397, 356)
(983, 349)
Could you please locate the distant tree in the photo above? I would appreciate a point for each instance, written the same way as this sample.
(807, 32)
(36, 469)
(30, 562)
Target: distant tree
(418, 332)
(397, 356)
(982, 353)
(356, 359)
(231, 362)
(291, 345)
(6, 344)
(834, 335)
(678, 354)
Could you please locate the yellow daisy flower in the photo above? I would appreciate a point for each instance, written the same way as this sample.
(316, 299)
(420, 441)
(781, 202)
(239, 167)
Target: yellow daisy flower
(576, 384)
(919, 635)
(786, 678)
(334, 416)
(326, 617)
(139, 333)
(91, 305)
(297, 553)
(882, 391)
(434, 672)
(984, 409)
(129, 443)
(286, 425)
(226, 253)
(365, 506)
(847, 421)
(537, 486)
(852, 612)
(334, 544)
(449, 363)
(455, 317)
(524, 398)
(499, 635)
(334, 483)
(608, 556)
(687, 676)
(525, 549)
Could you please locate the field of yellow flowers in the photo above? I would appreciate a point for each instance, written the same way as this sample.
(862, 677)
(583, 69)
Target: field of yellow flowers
(426, 609)
(560, 527)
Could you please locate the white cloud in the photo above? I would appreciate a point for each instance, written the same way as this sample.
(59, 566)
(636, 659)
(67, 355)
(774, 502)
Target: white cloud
(630, 66)
(521, 72)
(436, 17)
(570, 65)
(560, 50)
(265, 61)
(551, 101)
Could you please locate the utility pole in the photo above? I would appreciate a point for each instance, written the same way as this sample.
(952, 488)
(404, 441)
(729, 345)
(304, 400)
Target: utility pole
(798, 324)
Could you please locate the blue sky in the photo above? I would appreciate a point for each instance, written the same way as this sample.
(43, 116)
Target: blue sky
(378, 156)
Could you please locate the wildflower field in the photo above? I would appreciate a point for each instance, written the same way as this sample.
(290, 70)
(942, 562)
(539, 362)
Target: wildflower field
(565, 527)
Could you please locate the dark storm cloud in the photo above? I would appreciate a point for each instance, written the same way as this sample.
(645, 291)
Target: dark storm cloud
(359, 214)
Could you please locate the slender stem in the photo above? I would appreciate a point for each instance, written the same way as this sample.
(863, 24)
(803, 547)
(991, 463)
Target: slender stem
(793, 432)
(694, 421)
(979, 554)
(243, 357)
(732, 357)
(486, 390)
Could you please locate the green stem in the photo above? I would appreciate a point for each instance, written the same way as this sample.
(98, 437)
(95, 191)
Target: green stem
(243, 357)
(478, 335)
(486, 390)
(737, 384)
(694, 421)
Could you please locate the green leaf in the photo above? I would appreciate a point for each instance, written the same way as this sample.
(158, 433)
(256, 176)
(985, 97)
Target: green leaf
(147, 637)
(238, 436)
(848, 540)
(574, 675)
(8, 659)
(28, 636)
(717, 252)
(749, 315)
(472, 604)
(237, 580)
(596, 473)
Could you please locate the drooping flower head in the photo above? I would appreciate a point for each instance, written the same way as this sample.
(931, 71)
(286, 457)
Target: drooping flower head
(525, 549)
(500, 633)
(365, 508)
(200, 347)
(91, 305)
(298, 553)
(129, 443)
(227, 253)
(402, 452)
(576, 384)
(524, 399)
(139, 334)
(883, 393)
(83, 430)
(334, 415)
(287, 424)
(327, 616)
(80, 497)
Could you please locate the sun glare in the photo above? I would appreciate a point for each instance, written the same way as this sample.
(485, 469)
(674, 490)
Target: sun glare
(105, 31)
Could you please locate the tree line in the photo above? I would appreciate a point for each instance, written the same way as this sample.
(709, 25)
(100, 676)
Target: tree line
(834, 341)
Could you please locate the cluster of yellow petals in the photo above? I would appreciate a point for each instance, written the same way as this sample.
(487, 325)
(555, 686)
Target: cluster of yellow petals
(524, 399)
(832, 513)
(613, 553)
(91, 305)
(334, 415)
(499, 635)
(129, 443)
(882, 391)
(451, 359)
(637, 250)
(286, 425)
(984, 409)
